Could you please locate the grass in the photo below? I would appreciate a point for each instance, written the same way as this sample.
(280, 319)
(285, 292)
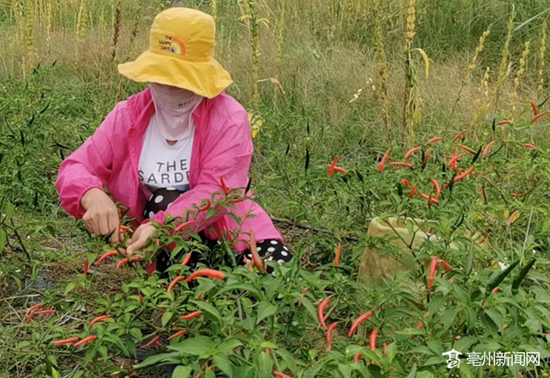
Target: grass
(297, 65)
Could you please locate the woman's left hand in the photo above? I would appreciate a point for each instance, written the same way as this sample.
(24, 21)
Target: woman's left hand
(139, 239)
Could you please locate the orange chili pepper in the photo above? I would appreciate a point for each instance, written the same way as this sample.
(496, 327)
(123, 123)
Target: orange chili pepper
(462, 175)
(151, 342)
(104, 256)
(340, 169)
(454, 159)
(534, 107)
(529, 145)
(85, 269)
(459, 134)
(176, 334)
(224, 187)
(405, 182)
(205, 272)
(206, 206)
(85, 340)
(70, 340)
(412, 191)
(466, 148)
(504, 122)
(358, 321)
(356, 356)
(320, 312)
(538, 116)
(383, 161)
(186, 258)
(431, 272)
(434, 139)
(411, 151)
(97, 319)
(427, 197)
(401, 164)
(281, 375)
(445, 264)
(191, 315)
(330, 167)
(337, 254)
(43, 312)
(174, 282)
(437, 188)
(121, 262)
(185, 224)
(372, 339)
(330, 328)
(487, 148)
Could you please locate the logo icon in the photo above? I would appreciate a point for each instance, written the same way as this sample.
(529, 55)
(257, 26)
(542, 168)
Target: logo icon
(453, 359)
(177, 46)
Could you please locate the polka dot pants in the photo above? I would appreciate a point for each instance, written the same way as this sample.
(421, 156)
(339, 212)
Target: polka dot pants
(271, 249)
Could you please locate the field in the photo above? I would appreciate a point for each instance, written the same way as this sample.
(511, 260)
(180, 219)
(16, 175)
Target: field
(400, 146)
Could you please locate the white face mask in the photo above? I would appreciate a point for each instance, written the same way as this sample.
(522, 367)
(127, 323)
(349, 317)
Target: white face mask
(173, 109)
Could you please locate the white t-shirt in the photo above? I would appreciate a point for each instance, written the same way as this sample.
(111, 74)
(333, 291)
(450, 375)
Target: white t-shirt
(162, 165)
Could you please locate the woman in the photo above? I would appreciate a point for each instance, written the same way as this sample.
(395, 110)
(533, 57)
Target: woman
(169, 147)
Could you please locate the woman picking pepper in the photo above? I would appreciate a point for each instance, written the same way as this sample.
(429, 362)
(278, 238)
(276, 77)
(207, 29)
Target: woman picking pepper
(169, 147)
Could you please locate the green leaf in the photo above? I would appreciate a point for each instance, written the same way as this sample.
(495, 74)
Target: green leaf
(193, 346)
(182, 372)
(228, 345)
(496, 317)
(265, 365)
(391, 351)
(521, 275)
(223, 363)
(412, 374)
(289, 360)
(55, 373)
(465, 343)
(208, 373)
(2, 239)
(166, 318)
(265, 309)
(155, 360)
(308, 306)
(208, 308)
(70, 286)
(500, 277)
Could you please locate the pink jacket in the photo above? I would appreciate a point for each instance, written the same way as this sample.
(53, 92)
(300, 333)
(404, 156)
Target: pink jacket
(222, 147)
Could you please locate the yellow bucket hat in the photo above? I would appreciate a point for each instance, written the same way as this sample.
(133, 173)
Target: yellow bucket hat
(181, 54)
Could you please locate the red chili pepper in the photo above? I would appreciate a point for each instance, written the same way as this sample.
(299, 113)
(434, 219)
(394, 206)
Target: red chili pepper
(427, 197)
(70, 340)
(412, 191)
(534, 107)
(176, 334)
(302, 295)
(434, 139)
(466, 148)
(484, 237)
(256, 258)
(494, 290)
(186, 258)
(85, 340)
(358, 321)
(136, 258)
(452, 280)
(454, 159)
(356, 356)
(206, 206)
(41, 312)
(340, 169)
(121, 262)
(104, 256)
(419, 324)
(383, 161)
(337, 254)
(34, 307)
(464, 174)
(281, 375)
(97, 319)
(504, 122)
(140, 298)
(431, 272)
(151, 342)
(320, 312)
(538, 116)
(445, 264)
(512, 217)
(85, 269)
(330, 167)
(125, 228)
(330, 328)
(174, 282)
(191, 315)
(224, 187)
(436, 187)
(372, 339)
(205, 272)
(516, 195)
(405, 182)
(529, 145)
(487, 148)
(411, 151)
(401, 164)
(185, 224)
(459, 134)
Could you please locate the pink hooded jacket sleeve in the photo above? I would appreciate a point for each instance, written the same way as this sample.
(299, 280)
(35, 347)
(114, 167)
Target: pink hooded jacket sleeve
(90, 165)
(228, 155)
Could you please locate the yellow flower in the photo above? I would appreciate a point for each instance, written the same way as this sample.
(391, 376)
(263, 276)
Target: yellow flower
(256, 122)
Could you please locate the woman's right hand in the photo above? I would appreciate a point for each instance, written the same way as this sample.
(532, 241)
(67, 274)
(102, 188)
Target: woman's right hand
(101, 216)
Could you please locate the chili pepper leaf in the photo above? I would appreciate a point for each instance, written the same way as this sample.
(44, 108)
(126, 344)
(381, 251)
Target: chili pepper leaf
(307, 304)
(194, 346)
(265, 365)
(289, 360)
(228, 345)
(412, 374)
(70, 286)
(391, 351)
(207, 307)
(500, 277)
(166, 318)
(521, 275)
(157, 358)
(265, 309)
(55, 373)
(222, 362)
(183, 371)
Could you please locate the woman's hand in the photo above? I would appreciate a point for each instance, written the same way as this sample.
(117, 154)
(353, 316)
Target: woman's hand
(139, 238)
(101, 217)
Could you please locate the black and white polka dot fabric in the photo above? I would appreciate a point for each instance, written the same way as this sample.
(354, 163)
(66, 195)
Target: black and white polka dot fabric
(271, 249)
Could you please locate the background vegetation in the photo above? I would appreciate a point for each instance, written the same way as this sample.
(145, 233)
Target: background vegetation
(320, 78)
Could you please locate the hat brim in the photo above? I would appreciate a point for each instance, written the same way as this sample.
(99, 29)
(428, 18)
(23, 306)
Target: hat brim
(206, 78)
